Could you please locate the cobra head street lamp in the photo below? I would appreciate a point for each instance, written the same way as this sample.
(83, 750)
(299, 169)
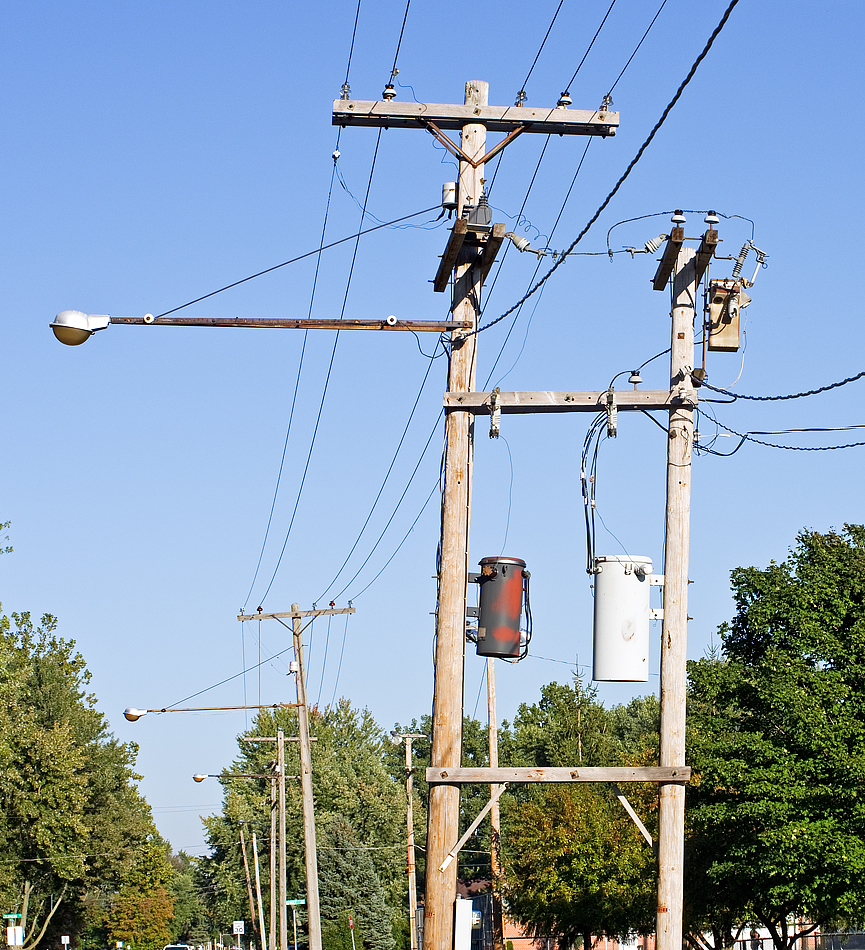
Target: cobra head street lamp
(73, 327)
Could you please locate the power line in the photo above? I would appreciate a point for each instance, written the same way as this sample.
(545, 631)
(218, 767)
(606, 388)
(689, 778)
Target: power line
(394, 71)
(585, 55)
(294, 260)
(521, 94)
(748, 437)
(329, 371)
(622, 73)
(626, 173)
(810, 392)
(384, 480)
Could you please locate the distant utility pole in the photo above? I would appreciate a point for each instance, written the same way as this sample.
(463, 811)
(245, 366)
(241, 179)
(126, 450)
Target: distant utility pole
(309, 842)
(470, 252)
(409, 817)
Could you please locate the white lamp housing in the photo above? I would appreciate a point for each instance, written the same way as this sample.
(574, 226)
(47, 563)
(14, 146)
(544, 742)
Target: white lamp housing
(73, 327)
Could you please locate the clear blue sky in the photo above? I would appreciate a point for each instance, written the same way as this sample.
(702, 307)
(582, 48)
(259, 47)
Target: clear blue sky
(154, 152)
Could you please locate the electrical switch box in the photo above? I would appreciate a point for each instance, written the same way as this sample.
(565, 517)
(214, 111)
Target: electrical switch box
(727, 298)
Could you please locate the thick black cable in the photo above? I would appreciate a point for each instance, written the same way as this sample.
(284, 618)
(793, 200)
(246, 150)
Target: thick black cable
(749, 437)
(810, 392)
(294, 260)
(626, 173)
(327, 378)
(597, 34)
(538, 266)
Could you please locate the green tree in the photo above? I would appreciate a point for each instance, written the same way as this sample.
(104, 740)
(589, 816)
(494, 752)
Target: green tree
(350, 783)
(72, 821)
(349, 886)
(777, 740)
(576, 865)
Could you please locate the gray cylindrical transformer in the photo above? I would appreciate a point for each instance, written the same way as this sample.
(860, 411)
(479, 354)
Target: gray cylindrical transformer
(501, 606)
(621, 649)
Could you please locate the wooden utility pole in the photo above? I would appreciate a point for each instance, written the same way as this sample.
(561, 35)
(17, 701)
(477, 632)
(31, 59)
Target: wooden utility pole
(274, 808)
(248, 882)
(409, 817)
(468, 256)
(311, 861)
(444, 803)
(495, 814)
(674, 633)
(312, 904)
(283, 909)
(258, 893)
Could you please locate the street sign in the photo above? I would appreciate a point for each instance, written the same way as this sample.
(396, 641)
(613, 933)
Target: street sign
(12, 917)
(297, 902)
(238, 928)
(351, 923)
(64, 940)
(15, 936)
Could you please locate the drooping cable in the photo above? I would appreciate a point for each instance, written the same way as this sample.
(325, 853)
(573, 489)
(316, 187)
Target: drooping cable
(626, 173)
(810, 392)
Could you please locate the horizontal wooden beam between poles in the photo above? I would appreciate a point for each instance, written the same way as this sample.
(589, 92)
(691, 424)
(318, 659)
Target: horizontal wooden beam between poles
(300, 323)
(470, 776)
(593, 401)
(385, 113)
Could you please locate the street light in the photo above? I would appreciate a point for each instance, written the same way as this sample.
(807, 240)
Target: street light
(133, 714)
(73, 327)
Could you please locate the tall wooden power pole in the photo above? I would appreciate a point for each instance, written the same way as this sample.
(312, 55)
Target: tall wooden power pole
(468, 256)
(444, 802)
(674, 633)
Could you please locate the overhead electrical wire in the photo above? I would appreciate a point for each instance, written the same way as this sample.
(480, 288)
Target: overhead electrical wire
(384, 480)
(749, 437)
(300, 257)
(521, 94)
(589, 49)
(567, 196)
(293, 399)
(668, 109)
(810, 392)
(327, 377)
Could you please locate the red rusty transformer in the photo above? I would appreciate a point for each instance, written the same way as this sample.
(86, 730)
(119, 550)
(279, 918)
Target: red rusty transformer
(504, 584)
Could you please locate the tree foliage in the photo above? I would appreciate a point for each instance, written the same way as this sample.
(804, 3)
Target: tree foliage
(777, 739)
(576, 864)
(351, 784)
(72, 822)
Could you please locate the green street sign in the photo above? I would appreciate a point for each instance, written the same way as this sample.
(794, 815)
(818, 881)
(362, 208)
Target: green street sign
(12, 917)
(295, 903)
